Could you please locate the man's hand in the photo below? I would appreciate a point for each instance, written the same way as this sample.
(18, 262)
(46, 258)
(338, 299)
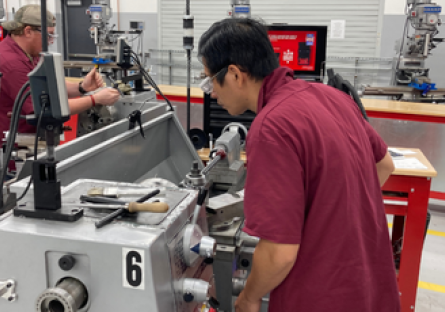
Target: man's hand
(243, 304)
(92, 81)
(107, 96)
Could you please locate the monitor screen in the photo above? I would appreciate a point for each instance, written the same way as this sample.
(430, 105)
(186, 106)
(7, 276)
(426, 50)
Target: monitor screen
(301, 48)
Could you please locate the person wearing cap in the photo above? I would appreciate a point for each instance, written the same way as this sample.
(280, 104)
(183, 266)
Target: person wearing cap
(19, 54)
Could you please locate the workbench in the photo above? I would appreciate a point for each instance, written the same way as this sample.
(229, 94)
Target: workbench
(378, 108)
(409, 208)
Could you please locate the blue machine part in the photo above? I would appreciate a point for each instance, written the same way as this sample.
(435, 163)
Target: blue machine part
(425, 87)
(436, 9)
(95, 9)
(100, 61)
(310, 39)
(242, 9)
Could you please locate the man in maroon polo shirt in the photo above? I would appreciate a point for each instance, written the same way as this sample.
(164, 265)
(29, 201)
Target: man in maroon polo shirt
(312, 194)
(19, 54)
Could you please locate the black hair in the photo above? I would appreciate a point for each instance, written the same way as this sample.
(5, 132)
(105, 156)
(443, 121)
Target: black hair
(242, 42)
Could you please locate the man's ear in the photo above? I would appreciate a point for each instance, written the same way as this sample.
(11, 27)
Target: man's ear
(237, 74)
(27, 31)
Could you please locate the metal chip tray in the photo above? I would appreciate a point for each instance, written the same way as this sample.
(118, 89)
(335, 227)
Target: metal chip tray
(173, 197)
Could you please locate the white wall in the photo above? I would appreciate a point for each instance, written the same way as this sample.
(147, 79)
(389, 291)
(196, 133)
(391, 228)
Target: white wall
(137, 6)
(397, 7)
(17, 4)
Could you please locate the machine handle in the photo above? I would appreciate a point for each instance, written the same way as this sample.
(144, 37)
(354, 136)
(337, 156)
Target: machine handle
(107, 219)
(148, 207)
(101, 200)
(148, 196)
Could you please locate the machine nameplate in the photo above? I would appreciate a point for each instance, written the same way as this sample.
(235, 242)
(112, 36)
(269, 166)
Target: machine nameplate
(242, 9)
(133, 268)
(432, 9)
(95, 9)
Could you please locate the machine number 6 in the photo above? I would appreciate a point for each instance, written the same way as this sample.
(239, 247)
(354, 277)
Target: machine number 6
(133, 268)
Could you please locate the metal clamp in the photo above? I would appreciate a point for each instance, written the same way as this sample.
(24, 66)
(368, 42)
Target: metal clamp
(7, 290)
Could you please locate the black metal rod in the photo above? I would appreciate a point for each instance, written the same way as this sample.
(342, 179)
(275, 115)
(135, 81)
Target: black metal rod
(189, 60)
(211, 164)
(44, 26)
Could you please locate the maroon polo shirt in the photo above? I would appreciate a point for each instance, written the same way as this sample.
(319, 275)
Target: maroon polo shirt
(312, 181)
(15, 66)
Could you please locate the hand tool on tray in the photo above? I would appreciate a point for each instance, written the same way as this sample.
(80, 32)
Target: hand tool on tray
(151, 207)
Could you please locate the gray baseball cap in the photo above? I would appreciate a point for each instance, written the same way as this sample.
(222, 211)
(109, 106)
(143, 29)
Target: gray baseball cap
(29, 15)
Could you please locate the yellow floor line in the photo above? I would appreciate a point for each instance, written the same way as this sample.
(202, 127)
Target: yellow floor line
(433, 287)
(430, 232)
(425, 285)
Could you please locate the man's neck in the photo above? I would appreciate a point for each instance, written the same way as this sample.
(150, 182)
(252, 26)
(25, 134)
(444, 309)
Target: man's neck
(21, 43)
(254, 92)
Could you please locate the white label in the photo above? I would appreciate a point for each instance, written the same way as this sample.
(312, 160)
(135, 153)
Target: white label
(338, 29)
(288, 56)
(408, 163)
(133, 275)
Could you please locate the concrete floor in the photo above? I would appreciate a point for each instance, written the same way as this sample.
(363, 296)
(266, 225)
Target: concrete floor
(433, 264)
(433, 257)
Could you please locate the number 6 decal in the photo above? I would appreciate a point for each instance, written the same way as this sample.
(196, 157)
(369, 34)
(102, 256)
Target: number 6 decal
(133, 268)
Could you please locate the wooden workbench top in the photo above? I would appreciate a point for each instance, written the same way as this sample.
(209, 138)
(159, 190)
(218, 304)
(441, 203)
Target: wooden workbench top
(181, 91)
(371, 105)
(428, 172)
(73, 79)
(398, 107)
(203, 153)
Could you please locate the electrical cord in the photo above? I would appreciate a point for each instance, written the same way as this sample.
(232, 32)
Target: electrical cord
(36, 142)
(402, 43)
(149, 78)
(17, 108)
(12, 135)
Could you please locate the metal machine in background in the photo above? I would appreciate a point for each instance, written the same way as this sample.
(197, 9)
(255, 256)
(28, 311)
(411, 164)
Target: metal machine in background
(423, 17)
(410, 76)
(105, 38)
(2, 10)
(240, 8)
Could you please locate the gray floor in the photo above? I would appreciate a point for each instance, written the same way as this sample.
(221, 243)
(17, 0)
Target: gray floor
(433, 264)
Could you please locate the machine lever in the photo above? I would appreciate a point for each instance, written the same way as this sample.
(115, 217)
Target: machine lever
(135, 117)
(155, 207)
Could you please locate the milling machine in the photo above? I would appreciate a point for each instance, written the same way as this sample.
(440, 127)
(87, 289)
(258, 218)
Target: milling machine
(240, 8)
(109, 44)
(410, 76)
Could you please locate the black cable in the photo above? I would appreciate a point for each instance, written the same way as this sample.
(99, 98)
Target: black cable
(150, 79)
(36, 142)
(402, 43)
(17, 108)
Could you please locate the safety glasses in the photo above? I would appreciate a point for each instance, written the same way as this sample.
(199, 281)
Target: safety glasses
(207, 84)
(51, 37)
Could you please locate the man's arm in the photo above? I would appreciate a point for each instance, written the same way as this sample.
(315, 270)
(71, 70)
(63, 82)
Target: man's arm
(79, 105)
(272, 263)
(92, 82)
(107, 96)
(72, 89)
(384, 168)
